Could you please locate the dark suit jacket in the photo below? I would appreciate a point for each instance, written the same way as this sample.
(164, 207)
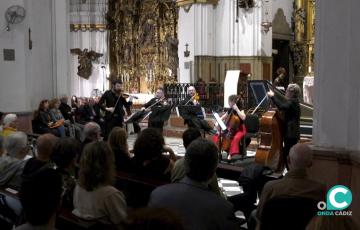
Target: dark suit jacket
(291, 109)
(199, 208)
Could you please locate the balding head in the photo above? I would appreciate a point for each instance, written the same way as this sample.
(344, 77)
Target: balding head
(300, 157)
(191, 90)
(92, 131)
(44, 146)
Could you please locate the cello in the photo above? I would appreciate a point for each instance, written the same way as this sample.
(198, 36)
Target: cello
(269, 151)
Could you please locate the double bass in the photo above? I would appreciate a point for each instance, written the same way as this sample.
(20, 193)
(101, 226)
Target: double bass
(269, 152)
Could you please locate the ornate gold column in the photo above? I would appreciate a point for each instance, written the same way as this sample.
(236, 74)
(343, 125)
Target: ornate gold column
(304, 38)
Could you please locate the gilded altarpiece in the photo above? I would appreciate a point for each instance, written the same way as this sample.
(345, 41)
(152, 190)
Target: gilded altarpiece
(143, 43)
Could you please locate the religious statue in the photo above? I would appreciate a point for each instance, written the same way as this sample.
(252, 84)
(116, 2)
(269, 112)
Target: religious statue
(85, 59)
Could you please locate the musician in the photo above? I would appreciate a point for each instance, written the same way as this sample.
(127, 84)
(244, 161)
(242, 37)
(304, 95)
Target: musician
(291, 109)
(239, 131)
(112, 102)
(198, 121)
(158, 100)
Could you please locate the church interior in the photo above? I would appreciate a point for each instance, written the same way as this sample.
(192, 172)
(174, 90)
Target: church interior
(135, 112)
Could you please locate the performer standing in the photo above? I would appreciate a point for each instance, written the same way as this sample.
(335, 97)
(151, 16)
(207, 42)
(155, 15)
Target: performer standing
(291, 109)
(235, 130)
(198, 121)
(112, 102)
(158, 100)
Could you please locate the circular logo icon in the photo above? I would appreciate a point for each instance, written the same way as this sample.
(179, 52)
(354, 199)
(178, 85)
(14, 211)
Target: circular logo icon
(339, 197)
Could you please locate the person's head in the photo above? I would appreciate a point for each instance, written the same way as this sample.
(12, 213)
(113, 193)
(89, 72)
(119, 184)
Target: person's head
(190, 135)
(91, 101)
(64, 99)
(118, 139)
(11, 120)
(300, 156)
(191, 90)
(44, 146)
(149, 144)
(234, 99)
(159, 92)
(281, 70)
(54, 103)
(40, 194)
(74, 101)
(117, 85)
(97, 166)
(201, 160)
(92, 131)
(153, 219)
(293, 91)
(44, 105)
(65, 152)
(16, 145)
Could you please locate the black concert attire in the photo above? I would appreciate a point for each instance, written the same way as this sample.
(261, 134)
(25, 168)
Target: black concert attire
(291, 109)
(66, 111)
(198, 121)
(109, 99)
(153, 121)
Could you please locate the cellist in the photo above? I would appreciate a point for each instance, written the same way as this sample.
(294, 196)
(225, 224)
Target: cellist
(234, 133)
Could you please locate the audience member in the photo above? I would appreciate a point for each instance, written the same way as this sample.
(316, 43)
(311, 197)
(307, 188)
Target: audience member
(65, 109)
(40, 197)
(118, 143)
(64, 156)
(296, 182)
(12, 164)
(43, 116)
(178, 171)
(57, 116)
(149, 160)
(10, 124)
(94, 197)
(153, 219)
(92, 132)
(44, 146)
(190, 198)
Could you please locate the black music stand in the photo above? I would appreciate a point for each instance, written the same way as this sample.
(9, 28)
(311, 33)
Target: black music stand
(160, 113)
(221, 130)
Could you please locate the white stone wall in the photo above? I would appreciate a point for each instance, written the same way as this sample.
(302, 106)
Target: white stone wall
(337, 82)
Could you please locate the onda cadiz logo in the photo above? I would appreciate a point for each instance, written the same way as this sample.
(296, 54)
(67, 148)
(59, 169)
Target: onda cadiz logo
(338, 198)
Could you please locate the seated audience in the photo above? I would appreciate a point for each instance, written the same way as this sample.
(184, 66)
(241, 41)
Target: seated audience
(65, 109)
(153, 219)
(118, 143)
(178, 172)
(190, 198)
(64, 156)
(149, 160)
(92, 132)
(73, 128)
(57, 116)
(12, 164)
(40, 196)
(296, 182)
(94, 197)
(10, 124)
(44, 117)
(44, 146)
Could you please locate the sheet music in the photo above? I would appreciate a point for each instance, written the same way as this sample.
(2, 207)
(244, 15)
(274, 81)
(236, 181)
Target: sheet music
(219, 121)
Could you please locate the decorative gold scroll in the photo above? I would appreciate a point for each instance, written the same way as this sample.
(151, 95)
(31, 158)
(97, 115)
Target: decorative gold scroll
(143, 43)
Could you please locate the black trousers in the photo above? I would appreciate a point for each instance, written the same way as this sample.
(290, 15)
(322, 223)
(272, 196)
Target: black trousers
(288, 143)
(110, 123)
(156, 124)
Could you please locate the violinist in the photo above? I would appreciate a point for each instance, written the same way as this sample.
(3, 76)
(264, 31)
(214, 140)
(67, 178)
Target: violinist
(192, 98)
(291, 109)
(158, 100)
(112, 102)
(235, 130)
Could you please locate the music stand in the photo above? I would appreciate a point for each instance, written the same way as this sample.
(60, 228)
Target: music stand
(160, 113)
(136, 117)
(222, 128)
